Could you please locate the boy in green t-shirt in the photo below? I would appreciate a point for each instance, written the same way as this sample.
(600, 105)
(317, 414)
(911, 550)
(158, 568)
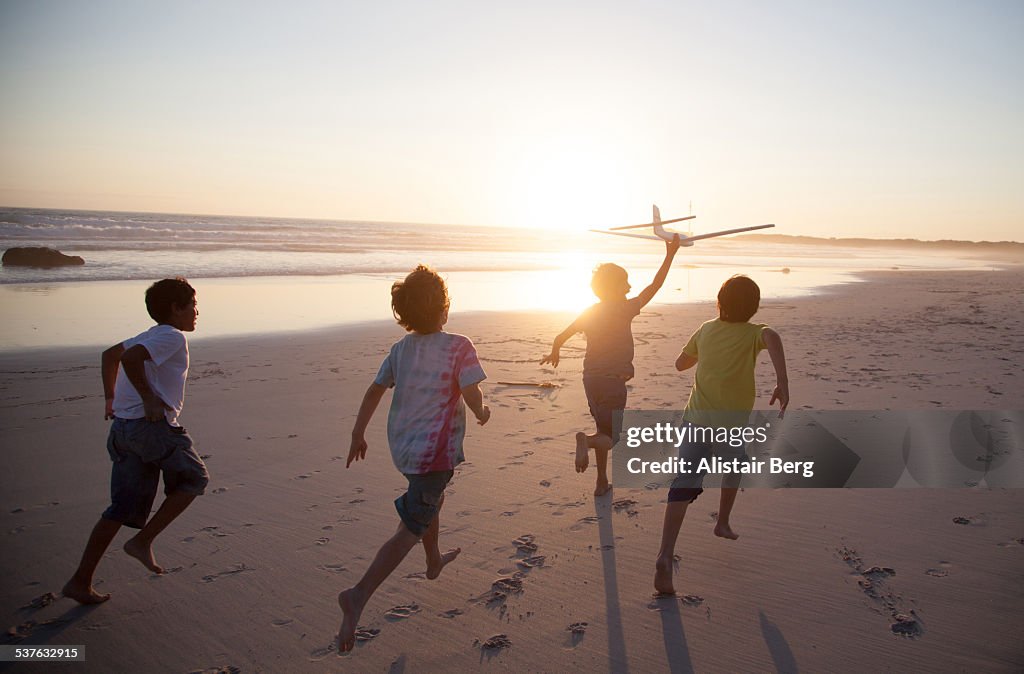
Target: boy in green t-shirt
(725, 352)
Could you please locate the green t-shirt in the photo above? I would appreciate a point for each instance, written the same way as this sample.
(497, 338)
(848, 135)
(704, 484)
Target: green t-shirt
(726, 354)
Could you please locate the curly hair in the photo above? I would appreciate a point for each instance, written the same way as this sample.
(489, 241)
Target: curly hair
(420, 301)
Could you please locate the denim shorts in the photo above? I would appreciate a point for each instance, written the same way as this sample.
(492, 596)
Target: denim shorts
(606, 395)
(141, 450)
(687, 487)
(420, 504)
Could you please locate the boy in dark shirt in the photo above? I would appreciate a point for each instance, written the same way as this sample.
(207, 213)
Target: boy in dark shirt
(608, 363)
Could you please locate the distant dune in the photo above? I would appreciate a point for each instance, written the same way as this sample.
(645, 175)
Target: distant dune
(1002, 247)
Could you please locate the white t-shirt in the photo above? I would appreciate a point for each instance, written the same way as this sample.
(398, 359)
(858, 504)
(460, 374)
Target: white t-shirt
(165, 373)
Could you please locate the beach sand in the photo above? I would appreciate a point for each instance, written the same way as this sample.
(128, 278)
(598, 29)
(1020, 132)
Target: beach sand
(549, 578)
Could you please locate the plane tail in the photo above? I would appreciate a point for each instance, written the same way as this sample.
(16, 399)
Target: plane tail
(659, 229)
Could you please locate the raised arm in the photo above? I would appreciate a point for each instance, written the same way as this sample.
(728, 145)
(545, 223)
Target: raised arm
(561, 339)
(109, 363)
(357, 450)
(134, 363)
(659, 279)
(474, 398)
(773, 343)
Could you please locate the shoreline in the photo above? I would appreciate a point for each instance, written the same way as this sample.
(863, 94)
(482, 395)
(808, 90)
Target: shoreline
(284, 526)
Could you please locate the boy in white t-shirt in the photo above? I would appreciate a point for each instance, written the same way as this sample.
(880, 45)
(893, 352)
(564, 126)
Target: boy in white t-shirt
(144, 397)
(432, 372)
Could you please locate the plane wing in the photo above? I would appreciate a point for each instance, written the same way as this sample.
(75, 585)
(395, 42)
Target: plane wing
(659, 233)
(684, 238)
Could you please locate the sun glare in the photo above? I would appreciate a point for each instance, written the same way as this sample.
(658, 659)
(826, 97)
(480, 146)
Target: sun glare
(570, 184)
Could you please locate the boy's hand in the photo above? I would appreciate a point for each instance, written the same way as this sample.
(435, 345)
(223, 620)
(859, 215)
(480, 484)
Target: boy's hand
(356, 451)
(672, 246)
(781, 393)
(108, 413)
(484, 415)
(154, 407)
(552, 358)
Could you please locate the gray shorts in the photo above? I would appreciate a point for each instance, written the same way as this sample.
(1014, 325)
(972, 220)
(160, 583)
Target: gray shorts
(141, 450)
(606, 395)
(687, 487)
(420, 504)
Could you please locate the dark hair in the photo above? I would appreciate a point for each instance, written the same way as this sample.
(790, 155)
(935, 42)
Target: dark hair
(738, 299)
(420, 300)
(162, 296)
(608, 279)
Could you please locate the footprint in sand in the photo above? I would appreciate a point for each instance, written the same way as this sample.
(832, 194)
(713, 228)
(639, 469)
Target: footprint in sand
(321, 653)
(332, 568)
(1012, 544)
(402, 612)
(496, 642)
(545, 483)
(525, 544)
(583, 522)
(323, 540)
(623, 504)
(691, 600)
(451, 613)
(41, 601)
(532, 562)
(238, 568)
(576, 632)
(366, 633)
(281, 622)
(220, 490)
(219, 669)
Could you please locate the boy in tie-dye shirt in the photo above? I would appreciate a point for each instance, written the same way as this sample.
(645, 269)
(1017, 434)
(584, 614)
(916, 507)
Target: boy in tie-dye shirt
(432, 372)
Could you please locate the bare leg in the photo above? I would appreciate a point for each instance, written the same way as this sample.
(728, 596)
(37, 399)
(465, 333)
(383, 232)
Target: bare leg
(602, 444)
(435, 560)
(353, 600)
(80, 586)
(729, 489)
(582, 461)
(141, 545)
(675, 511)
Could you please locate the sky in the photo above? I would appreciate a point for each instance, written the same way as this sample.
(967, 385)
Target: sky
(857, 118)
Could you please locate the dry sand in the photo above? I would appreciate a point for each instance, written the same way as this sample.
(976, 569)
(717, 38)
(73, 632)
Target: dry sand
(256, 564)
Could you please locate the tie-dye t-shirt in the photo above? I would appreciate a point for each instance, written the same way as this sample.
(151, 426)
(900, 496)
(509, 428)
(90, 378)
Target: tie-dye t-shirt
(427, 421)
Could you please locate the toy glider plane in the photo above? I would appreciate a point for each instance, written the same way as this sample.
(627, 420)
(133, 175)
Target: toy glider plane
(660, 233)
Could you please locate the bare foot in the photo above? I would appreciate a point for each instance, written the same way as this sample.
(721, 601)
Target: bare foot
(663, 576)
(602, 488)
(351, 604)
(83, 594)
(434, 568)
(582, 461)
(143, 553)
(723, 531)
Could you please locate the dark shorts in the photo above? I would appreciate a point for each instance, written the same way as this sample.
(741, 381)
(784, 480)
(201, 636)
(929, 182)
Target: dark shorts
(141, 450)
(687, 487)
(606, 396)
(420, 504)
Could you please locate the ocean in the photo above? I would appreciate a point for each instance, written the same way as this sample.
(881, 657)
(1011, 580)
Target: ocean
(257, 275)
